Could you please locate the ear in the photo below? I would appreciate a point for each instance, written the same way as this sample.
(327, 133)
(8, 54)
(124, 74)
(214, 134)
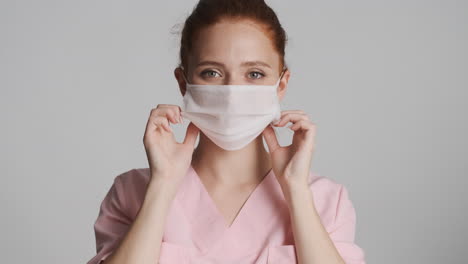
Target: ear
(283, 84)
(178, 73)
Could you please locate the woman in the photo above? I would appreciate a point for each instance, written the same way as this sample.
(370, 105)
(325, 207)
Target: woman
(228, 200)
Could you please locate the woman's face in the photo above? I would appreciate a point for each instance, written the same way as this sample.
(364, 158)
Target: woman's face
(233, 52)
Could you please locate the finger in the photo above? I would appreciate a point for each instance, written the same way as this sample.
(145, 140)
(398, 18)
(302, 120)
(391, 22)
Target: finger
(183, 115)
(191, 135)
(271, 139)
(308, 130)
(175, 113)
(151, 129)
(161, 121)
(151, 125)
(171, 112)
(180, 114)
(292, 111)
(291, 117)
(303, 125)
(167, 127)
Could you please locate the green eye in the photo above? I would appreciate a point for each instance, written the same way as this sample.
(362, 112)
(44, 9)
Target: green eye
(257, 75)
(204, 73)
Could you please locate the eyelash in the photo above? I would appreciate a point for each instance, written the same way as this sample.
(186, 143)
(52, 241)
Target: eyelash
(208, 71)
(263, 75)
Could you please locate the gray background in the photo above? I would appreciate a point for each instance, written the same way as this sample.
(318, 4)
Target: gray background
(385, 81)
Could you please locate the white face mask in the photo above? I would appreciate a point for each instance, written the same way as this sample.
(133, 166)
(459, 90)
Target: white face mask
(231, 115)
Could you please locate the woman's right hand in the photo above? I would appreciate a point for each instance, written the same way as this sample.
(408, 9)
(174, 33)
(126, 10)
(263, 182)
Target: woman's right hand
(167, 158)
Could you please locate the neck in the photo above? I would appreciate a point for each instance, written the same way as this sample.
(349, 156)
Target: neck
(245, 166)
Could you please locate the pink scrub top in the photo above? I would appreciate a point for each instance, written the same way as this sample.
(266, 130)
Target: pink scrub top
(197, 233)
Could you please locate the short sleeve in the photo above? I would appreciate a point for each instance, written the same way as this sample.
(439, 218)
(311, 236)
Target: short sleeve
(112, 222)
(342, 232)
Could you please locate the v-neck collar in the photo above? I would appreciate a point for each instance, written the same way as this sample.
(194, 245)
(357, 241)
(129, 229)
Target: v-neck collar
(212, 203)
(208, 224)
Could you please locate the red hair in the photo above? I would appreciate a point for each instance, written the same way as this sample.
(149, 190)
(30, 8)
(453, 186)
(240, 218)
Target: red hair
(209, 12)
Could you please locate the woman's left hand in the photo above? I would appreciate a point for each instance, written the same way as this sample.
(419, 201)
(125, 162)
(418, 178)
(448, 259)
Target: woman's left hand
(291, 164)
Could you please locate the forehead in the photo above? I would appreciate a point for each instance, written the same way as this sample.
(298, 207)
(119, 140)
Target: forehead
(232, 42)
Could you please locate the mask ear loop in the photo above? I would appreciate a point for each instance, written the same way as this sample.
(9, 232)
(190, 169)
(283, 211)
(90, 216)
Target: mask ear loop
(281, 76)
(282, 72)
(277, 83)
(182, 109)
(183, 75)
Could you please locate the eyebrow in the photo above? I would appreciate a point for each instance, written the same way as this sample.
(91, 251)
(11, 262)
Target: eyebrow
(245, 63)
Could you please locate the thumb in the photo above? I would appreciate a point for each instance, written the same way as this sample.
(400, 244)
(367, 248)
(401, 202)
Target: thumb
(270, 138)
(191, 135)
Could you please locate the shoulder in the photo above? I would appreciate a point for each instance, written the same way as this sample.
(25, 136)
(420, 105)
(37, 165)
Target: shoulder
(131, 186)
(338, 216)
(133, 178)
(331, 198)
(324, 187)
